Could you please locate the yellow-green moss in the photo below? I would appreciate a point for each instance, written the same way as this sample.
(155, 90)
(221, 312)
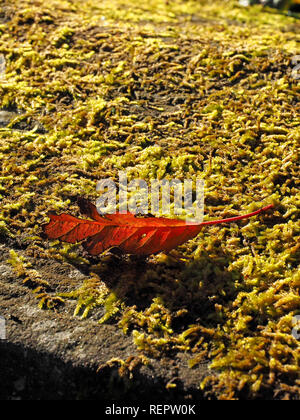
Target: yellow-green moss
(177, 89)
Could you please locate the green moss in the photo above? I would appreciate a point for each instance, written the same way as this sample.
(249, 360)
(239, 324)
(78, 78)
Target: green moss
(62, 37)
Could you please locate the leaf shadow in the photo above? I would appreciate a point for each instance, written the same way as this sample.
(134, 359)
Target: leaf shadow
(197, 287)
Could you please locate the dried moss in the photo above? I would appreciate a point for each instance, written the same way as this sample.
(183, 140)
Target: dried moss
(179, 89)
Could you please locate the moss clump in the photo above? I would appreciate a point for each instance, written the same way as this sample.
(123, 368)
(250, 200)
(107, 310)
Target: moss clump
(32, 279)
(91, 294)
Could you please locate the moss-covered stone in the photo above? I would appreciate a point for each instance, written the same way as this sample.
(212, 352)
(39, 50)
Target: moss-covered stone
(177, 89)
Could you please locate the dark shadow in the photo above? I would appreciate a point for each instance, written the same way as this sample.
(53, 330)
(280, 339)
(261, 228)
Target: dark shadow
(195, 286)
(27, 374)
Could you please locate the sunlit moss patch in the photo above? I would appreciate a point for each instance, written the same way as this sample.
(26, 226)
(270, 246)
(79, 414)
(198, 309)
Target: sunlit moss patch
(176, 89)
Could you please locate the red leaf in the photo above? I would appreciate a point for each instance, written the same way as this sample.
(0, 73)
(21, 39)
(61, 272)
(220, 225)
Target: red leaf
(131, 234)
